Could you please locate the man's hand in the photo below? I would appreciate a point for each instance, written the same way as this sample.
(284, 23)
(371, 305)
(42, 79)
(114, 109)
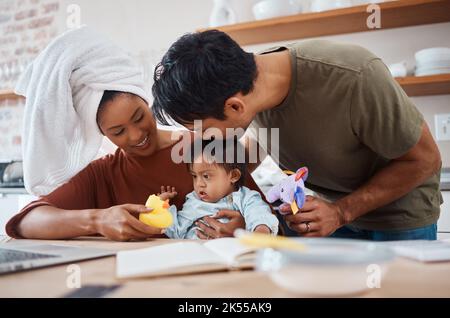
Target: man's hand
(316, 218)
(211, 228)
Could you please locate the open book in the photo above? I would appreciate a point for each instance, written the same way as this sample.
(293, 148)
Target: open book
(184, 258)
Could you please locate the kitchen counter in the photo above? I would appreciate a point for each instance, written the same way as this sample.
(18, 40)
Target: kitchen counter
(405, 278)
(445, 179)
(13, 191)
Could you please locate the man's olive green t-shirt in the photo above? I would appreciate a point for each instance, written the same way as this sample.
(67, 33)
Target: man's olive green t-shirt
(345, 118)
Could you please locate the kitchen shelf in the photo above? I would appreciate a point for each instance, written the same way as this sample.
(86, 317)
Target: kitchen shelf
(8, 94)
(425, 85)
(394, 14)
(5, 191)
(413, 86)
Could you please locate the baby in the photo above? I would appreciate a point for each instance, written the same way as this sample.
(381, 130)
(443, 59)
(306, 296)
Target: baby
(218, 185)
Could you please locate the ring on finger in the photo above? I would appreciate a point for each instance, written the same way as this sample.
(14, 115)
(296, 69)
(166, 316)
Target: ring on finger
(308, 227)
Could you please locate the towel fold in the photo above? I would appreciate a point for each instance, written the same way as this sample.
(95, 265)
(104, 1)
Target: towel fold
(63, 87)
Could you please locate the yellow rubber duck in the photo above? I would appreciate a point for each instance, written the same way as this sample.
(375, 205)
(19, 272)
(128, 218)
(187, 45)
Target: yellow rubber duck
(160, 216)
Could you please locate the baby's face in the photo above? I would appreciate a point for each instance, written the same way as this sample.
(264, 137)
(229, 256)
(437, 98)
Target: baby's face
(211, 182)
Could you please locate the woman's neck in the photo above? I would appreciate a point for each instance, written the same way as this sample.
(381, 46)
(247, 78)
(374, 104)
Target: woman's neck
(167, 138)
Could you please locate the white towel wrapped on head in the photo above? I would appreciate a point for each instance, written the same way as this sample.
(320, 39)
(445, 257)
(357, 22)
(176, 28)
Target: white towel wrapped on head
(63, 87)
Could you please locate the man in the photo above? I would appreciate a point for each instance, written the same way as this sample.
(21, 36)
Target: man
(371, 157)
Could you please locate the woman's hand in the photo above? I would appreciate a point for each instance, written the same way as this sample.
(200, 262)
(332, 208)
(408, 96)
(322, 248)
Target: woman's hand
(211, 228)
(118, 223)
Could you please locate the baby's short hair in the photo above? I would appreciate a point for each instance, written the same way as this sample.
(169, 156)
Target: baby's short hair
(227, 153)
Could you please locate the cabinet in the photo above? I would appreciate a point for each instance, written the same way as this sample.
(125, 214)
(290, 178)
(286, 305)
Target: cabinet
(10, 204)
(444, 220)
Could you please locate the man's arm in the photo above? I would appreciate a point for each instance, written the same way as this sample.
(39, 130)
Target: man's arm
(394, 181)
(398, 178)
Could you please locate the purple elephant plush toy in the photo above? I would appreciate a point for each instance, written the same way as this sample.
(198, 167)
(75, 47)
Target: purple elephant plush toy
(291, 190)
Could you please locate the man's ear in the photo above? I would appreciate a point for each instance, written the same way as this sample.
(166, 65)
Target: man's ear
(235, 175)
(234, 106)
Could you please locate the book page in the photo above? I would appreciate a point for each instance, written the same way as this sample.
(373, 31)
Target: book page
(230, 250)
(166, 259)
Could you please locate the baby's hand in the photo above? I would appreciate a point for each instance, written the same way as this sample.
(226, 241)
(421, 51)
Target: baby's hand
(167, 193)
(263, 229)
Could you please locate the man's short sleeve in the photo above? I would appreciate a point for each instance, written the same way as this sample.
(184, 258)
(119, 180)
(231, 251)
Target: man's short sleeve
(382, 115)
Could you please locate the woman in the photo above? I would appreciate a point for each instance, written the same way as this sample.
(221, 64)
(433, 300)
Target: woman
(106, 195)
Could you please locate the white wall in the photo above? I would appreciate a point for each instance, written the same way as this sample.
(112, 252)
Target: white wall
(10, 204)
(139, 25)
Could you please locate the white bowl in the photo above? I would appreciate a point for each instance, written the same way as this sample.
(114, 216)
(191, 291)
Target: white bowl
(434, 64)
(433, 54)
(432, 71)
(325, 5)
(275, 8)
(431, 68)
(328, 267)
(398, 69)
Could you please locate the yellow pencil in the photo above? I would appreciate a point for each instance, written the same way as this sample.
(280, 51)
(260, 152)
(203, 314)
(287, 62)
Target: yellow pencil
(267, 240)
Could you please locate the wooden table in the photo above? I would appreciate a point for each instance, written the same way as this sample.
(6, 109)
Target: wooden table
(404, 279)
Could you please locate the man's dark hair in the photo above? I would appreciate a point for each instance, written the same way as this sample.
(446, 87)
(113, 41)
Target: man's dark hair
(199, 72)
(233, 156)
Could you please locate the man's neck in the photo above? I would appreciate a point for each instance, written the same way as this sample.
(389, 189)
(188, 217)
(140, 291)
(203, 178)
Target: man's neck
(273, 82)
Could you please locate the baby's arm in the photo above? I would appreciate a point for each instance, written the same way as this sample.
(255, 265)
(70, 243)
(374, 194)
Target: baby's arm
(262, 228)
(257, 214)
(169, 192)
(182, 227)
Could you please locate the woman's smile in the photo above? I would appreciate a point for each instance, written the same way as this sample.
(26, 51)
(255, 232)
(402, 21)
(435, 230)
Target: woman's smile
(143, 143)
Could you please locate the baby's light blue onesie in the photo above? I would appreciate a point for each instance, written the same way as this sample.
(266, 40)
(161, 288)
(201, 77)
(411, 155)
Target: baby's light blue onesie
(249, 202)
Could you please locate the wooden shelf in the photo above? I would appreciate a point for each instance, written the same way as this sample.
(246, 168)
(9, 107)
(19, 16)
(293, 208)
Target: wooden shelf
(8, 94)
(413, 86)
(425, 85)
(394, 14)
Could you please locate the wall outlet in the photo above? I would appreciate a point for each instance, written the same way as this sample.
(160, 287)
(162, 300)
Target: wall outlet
(442, 126)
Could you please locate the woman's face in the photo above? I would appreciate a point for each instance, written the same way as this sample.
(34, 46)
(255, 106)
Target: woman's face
(128, 122)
